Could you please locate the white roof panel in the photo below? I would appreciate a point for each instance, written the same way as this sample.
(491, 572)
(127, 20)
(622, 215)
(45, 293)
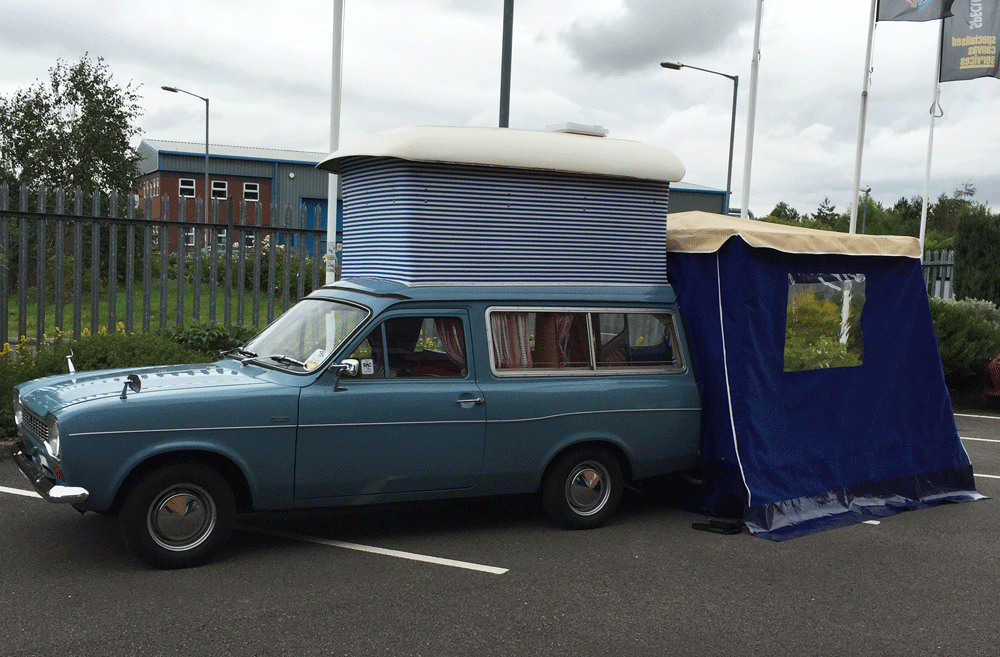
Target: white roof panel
(521, 149)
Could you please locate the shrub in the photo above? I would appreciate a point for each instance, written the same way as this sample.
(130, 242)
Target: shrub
(968, 334)
(208, 338)
(22, 362)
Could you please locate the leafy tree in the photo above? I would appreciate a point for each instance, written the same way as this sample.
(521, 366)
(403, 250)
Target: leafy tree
(786, 212)
(977, 252)
(72, 131)
(826, 213)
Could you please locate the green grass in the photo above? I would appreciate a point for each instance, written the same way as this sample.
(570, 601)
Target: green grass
(170, 317)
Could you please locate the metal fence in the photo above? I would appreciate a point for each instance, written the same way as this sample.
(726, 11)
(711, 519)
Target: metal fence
(939, 270)
(86, 271)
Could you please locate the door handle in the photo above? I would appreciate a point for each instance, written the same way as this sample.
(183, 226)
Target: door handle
(474, 400)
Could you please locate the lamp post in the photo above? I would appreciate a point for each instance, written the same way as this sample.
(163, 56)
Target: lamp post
(676, 66)
(864, 216)
(208, 191)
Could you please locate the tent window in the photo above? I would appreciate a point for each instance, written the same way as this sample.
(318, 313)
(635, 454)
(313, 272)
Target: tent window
(823, 323)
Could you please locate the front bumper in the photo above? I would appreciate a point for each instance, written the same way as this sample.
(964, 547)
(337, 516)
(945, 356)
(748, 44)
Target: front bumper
(42, 484)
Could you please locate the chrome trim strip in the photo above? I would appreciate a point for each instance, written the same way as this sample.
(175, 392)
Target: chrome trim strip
(620, 410)
(113, 433)
(392, 424)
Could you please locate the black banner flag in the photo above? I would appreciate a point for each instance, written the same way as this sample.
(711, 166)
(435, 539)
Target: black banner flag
(913, 10)
(969, 41)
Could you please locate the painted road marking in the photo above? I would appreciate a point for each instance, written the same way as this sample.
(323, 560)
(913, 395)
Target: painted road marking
(340, 544)
(377, 550)
(982, 417)
(987, 476)
(18, 491)
(981, 440)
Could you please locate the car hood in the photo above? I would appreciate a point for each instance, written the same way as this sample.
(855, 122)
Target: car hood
(53, 393)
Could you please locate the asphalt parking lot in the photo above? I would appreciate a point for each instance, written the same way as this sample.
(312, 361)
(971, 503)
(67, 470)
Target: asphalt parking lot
(494, 577)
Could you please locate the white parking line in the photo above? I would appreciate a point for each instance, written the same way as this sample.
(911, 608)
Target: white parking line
(341, 544)
(981, 417)
(981, 440)
(18, 491)
(383, 551)
(986, 475)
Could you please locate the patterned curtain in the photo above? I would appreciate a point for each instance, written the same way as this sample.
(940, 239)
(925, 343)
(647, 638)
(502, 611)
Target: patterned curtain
(510, 340)
(449, 330)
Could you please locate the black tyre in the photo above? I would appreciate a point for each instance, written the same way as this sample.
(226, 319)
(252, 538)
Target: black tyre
(178, 515)
(583, 488)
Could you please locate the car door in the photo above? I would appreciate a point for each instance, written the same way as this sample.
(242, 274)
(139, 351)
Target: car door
(412, 420)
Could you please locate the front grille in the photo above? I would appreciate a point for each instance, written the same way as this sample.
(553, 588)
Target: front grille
(34, 424)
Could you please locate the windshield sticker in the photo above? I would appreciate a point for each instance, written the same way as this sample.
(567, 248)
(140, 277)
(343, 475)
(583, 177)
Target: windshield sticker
(315, 359)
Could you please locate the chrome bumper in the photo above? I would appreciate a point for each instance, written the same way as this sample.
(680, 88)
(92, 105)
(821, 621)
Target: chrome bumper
(44, 486)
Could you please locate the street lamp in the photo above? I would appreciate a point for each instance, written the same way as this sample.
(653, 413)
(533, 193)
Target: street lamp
(676, 66)
(864, 217)
(208, 191)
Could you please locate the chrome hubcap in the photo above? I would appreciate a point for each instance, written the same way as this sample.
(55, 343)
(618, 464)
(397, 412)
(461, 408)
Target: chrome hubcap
(588, 488)
(182, 517)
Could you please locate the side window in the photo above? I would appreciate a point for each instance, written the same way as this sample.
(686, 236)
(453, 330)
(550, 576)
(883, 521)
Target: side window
(414, 347)
(540, 341)
(634, 340)
(582, 342)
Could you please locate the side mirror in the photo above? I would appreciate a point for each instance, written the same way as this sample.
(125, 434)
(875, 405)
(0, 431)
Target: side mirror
(348, 366)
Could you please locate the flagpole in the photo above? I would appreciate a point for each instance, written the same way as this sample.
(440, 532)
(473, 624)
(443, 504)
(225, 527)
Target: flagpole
(935, 114)
(861, 121)
(336, 85)
(751, 116)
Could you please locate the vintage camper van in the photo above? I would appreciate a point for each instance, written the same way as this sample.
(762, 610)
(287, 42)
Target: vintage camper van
(504, 325)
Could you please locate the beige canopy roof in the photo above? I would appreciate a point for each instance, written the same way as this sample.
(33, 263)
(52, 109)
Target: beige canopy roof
(705, 232)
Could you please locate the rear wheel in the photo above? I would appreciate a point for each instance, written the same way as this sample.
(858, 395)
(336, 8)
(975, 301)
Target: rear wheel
(583, 488)
(178, 515)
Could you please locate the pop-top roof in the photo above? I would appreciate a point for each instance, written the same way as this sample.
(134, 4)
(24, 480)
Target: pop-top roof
(705, 232)
(522, 149)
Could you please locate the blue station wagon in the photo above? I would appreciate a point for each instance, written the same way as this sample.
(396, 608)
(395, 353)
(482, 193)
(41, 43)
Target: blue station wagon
(368, 391)
(505, 325)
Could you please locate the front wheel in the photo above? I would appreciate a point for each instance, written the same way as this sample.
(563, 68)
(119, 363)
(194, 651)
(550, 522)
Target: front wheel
(178, 515)
(583, 488)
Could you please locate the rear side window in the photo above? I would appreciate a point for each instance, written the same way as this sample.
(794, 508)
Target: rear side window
(584, 342)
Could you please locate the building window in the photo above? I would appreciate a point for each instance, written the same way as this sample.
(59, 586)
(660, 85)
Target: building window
(251, 192)
(188, 237)
(186, 188)
(220, 189)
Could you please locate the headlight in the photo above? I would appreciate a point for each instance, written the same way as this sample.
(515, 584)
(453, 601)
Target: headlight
(52, 442)
(17, 409)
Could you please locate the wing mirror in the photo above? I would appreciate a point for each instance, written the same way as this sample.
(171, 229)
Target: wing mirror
(349, 367)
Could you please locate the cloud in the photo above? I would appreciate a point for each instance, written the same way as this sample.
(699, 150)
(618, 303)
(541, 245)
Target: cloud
(644, 31)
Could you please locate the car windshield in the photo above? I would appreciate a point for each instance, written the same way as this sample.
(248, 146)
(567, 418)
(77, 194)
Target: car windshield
(305, 336)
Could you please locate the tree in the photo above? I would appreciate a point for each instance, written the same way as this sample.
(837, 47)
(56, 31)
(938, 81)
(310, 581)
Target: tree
(977, 252)
(784, 211)
(73, 131)
(826, 213)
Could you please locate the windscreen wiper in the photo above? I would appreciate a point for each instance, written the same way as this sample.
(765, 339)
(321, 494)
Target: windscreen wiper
(281, 358)
(241, 351)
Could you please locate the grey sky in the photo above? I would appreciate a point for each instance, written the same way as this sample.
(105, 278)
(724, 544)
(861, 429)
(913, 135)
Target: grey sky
(266, 68)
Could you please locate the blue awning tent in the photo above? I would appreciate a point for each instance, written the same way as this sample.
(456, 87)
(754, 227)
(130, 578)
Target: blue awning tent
(817, 447)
